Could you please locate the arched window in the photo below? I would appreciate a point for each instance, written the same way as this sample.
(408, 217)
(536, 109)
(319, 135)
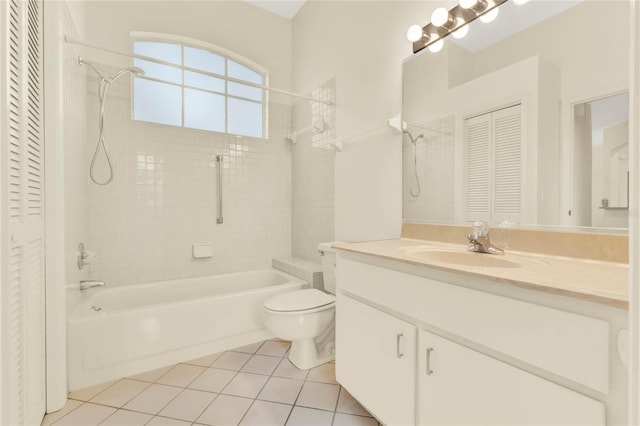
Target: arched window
(196, 85)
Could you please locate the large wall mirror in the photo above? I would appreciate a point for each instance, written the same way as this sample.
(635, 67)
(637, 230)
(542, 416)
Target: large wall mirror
(522, 122)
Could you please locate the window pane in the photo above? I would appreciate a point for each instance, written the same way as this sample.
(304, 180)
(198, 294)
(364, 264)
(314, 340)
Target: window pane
(156, 102)
(203, 60)
(245, 118)
(244, 91)
(241, 72)
(161, 72)
(164, 51)
(203, 81)
(203, 110)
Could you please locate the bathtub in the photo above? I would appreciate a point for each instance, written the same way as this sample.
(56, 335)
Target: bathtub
(121, 331)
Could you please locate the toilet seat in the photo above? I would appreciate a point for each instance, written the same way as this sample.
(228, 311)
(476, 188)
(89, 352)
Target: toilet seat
(307, 300)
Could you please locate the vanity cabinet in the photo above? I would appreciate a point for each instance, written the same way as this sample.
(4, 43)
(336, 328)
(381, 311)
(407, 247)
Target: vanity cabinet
(478, 357)
(460, 386)
(377, 353)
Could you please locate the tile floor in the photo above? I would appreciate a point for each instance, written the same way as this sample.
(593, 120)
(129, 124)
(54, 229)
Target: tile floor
(251, 385)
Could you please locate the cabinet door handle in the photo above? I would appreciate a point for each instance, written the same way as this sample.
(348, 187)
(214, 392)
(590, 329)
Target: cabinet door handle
(429, 370)
(398, 353)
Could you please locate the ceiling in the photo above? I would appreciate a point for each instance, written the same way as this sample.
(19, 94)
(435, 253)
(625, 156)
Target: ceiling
(285, 8)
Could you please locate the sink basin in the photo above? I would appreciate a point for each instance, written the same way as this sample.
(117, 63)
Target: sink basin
(462, 258)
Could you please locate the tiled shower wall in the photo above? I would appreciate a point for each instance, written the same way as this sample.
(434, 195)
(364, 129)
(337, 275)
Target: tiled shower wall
(163, 195)
(313, 174)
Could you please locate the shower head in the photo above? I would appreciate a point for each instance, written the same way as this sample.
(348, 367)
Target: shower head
(413, 140)
(133, 70)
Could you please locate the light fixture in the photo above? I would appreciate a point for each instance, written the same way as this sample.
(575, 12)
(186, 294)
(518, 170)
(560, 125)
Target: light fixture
(461, 32)
(436, 46)
(520, 2)
(490, 16)
(454, 21)
(414, 33)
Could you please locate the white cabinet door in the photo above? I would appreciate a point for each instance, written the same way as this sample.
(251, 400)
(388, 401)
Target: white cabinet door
(459, 386)
(375, 360)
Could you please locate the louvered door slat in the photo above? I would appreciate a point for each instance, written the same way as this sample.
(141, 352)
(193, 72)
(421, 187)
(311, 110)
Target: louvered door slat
(15, 349)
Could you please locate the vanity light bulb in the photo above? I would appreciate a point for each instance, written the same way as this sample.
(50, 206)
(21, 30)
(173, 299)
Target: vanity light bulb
(520, 2)
(467, 4)
(414, 33)
(437, 46)
(440, 16)
(461, 32)
(490, 16)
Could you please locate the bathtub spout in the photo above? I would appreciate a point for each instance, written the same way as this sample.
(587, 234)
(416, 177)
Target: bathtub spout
(87, 284)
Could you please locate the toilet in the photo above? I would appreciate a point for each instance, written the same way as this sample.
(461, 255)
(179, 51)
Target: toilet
(307, 317)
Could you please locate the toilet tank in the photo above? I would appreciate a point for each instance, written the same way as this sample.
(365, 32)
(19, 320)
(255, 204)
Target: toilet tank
(328, 259)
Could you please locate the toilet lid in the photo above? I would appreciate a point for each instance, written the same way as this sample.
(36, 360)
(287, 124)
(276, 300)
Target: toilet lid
(299, 300)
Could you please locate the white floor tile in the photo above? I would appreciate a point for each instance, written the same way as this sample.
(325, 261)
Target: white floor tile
(181, 375)
(263, 413)
(231, 361)
(120, 393)
(325, 373)
(188, 405)
(290, 371)
(280, 389)
(319, 395)
(303, 416)
(249, 349)
(164, 421)
(205, 361)
(274, 348)
(87, 393)
(347, 404)
(86, 415)
(261, 364)
(247, 385)
(71, 405)
(153, 375)
(212, 380)
(153, 399)
(342, 419)
(225, 410)
(127, 418)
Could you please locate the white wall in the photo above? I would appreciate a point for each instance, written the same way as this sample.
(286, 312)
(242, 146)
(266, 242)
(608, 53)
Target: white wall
(362, 44)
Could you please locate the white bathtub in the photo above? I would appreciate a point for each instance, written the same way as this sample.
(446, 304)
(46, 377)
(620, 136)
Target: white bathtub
(120, 331)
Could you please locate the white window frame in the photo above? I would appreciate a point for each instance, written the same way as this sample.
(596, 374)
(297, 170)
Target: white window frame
(221, 51)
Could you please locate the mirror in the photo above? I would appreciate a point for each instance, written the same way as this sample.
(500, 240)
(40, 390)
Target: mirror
(514, 123)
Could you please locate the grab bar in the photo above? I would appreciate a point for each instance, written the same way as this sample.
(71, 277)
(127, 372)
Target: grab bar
(219, 165)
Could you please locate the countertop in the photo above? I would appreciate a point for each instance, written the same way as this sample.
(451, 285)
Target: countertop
(596, 281)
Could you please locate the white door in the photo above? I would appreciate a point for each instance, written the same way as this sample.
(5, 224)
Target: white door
(459, 386)
(375, 360)
(22, 299)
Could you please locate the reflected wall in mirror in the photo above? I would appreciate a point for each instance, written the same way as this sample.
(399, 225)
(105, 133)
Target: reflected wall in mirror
(493, 130)
(601, 162)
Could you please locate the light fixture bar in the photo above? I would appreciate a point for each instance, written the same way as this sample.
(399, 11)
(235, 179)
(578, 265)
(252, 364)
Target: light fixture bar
(460, 16)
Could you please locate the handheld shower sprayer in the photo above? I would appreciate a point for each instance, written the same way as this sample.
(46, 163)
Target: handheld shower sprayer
(414, 142)
(105, 81)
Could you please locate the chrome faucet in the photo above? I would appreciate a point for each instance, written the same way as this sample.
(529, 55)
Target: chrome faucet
(87, 284)
(479, 239)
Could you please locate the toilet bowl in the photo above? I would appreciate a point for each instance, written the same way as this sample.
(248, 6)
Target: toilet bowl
(306, 317)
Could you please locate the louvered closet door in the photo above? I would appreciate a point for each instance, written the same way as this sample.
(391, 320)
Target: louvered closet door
(23, 292)
(478, 167)
(507, 164)
(493, 161)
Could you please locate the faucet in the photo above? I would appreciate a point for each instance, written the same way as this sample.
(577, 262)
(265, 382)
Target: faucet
(87, 284)
(479, 239)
